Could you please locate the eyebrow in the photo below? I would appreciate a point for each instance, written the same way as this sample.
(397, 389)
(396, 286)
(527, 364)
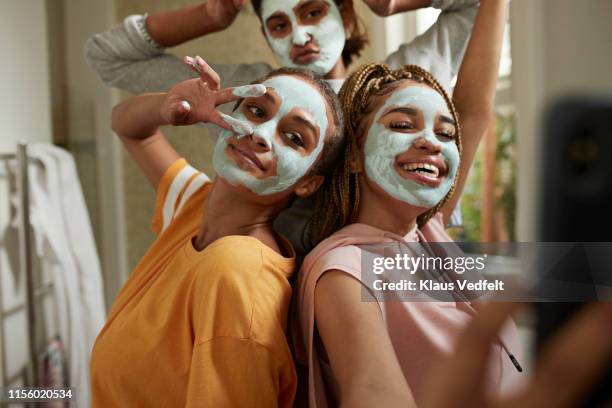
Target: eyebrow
(404, 109)
(276, 14)
(305, 4)
(448, 120)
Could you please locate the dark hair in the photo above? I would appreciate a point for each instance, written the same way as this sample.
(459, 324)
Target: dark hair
(357, 36)
(334, 145)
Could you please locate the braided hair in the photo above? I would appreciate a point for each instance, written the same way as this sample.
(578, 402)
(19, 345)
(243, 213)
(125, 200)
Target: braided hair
(337, 201)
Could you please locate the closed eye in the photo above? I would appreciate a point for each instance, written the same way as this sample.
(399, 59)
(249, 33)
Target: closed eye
(403, 125)
(446, 135)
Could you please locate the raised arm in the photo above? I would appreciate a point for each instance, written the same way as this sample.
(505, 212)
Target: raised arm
(132, 56)
(385, 8)
(137, 120)
(440, 49)
(476, 85)
(171, 28)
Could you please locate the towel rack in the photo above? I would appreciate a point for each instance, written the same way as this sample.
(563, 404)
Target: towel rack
(26, 269)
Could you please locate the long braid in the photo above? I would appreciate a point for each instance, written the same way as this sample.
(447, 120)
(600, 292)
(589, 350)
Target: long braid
(337, 201)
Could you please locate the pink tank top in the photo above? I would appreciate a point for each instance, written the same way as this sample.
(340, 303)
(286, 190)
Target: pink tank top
(420, 331)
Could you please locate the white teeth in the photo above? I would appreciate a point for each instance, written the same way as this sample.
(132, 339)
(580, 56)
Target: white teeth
(420, 168)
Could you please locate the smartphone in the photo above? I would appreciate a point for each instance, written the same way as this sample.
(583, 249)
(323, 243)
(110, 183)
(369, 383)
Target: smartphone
(575, 207)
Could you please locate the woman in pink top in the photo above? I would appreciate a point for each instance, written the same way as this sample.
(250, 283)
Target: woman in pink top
(406, 162)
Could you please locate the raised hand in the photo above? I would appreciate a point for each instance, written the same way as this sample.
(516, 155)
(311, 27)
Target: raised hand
(223, 12)
(386, 8)
(196, 100)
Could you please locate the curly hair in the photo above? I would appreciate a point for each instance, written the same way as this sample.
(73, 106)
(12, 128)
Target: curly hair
(337, 201)
(356, 36)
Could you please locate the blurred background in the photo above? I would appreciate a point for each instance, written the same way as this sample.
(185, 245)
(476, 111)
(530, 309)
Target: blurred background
(49, 94)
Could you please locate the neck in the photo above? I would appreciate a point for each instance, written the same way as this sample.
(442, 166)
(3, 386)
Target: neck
(378, 209)
(338, 71)
(232, 212)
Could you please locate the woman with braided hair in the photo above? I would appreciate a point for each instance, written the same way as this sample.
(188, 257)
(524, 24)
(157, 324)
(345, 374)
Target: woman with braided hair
(408, 153)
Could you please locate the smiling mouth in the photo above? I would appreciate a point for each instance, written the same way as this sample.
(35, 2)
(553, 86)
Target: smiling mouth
(423, 173)
(245, 158)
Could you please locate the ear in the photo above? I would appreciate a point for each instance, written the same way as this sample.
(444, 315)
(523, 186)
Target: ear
(308, 186)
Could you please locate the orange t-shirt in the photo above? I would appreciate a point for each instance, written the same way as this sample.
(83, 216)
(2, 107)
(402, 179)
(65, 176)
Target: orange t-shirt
(197, 329)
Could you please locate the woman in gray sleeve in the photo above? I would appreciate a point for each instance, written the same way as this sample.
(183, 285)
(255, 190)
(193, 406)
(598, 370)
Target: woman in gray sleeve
(322, 35)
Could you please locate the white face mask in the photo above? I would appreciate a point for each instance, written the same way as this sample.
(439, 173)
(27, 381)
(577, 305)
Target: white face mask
(383, 145)
(290, 165)
(328, 34)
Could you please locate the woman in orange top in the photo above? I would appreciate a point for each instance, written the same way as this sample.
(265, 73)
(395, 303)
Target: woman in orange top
(201, 320)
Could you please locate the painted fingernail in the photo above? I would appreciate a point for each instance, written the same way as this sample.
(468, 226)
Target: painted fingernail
(239, 127)
(249, 91)
(191, 62)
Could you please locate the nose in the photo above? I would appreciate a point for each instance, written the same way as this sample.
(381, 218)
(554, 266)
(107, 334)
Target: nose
(259, 143)
(427, 144)
(301, 36)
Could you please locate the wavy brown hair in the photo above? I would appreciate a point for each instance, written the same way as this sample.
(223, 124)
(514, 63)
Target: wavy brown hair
(356, 33)
(337, 201)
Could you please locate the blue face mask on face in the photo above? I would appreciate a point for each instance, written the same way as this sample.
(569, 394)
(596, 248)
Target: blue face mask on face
(384, 145)
(291, 166)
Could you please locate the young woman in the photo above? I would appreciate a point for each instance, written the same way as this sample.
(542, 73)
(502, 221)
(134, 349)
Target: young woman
(323, 35)
(409, 150)
(201, 320)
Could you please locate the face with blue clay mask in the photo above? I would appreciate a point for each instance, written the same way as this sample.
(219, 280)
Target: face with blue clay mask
(410, 150)
(304, 33)
(289, 122)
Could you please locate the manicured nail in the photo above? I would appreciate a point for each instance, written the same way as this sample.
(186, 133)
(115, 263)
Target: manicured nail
(239, 127)
(185, 105)
(250, 91)
(191, 62)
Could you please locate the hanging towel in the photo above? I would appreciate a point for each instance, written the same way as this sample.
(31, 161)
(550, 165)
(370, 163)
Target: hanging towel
(81, 239)
(65, 246)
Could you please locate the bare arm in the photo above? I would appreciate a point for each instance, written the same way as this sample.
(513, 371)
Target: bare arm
(476, 86)
(171, 28)
(365, 367)
(441, 48)
(136, 121)
(386, 8)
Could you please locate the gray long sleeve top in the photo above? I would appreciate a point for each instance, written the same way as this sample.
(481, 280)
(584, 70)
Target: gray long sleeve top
(126, 57)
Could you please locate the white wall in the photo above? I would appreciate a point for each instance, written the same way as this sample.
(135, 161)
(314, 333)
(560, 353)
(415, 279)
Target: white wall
(90, 104)
(24, 73)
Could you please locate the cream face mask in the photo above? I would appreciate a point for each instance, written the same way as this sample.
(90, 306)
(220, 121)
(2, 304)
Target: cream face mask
(290, 164)
(384, 145)
(328, 34)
